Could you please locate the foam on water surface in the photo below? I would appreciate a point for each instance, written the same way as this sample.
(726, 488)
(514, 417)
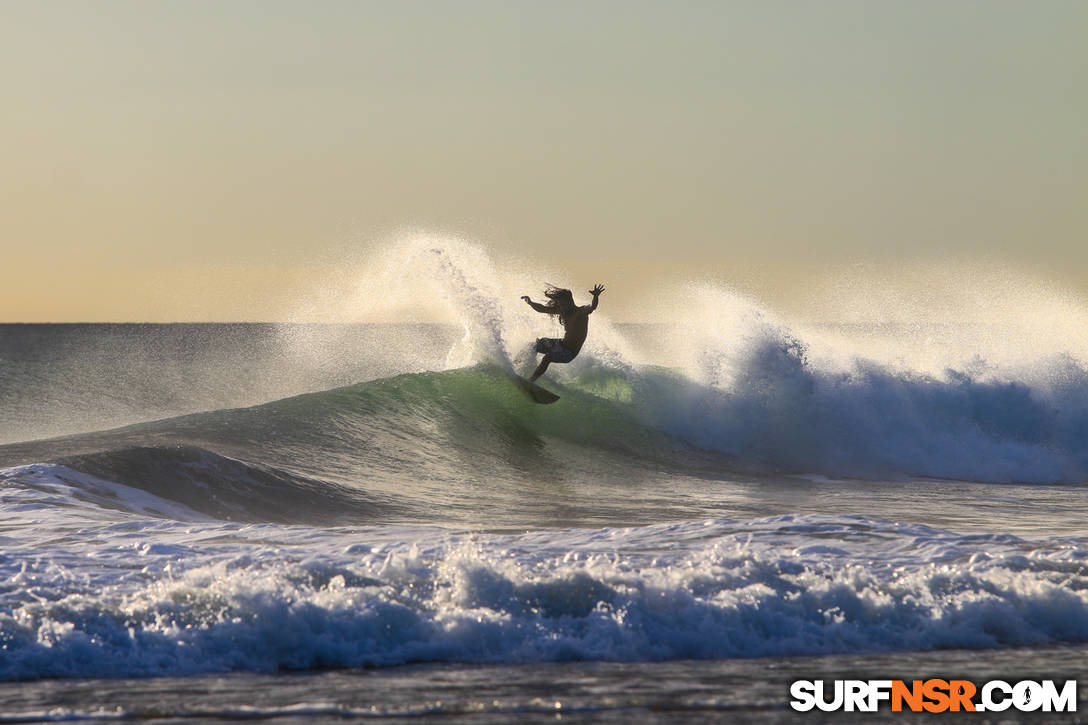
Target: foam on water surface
(157, 598)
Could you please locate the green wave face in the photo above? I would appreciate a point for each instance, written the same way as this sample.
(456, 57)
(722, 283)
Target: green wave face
(465, 420)
(424, 446)
(459, 447)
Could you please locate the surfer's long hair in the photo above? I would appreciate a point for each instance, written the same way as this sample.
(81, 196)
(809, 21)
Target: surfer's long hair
(560, 303)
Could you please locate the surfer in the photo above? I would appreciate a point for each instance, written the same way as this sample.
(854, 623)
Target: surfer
(575, 321)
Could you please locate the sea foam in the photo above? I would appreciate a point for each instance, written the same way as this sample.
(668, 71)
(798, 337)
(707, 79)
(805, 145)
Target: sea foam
(171, 599)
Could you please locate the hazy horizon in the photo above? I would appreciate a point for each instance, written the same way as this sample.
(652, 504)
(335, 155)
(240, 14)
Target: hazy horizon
(200, 161)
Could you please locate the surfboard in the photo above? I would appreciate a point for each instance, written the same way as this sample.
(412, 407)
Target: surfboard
(534, 391)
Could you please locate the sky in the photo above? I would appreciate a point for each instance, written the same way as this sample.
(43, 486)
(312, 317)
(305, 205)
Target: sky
(186, 161)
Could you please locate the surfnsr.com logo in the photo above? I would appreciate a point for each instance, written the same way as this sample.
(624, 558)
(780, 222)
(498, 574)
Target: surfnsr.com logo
(933, 695)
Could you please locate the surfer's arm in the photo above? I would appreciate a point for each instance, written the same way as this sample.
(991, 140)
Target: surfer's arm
(596, 292)
(536, 305)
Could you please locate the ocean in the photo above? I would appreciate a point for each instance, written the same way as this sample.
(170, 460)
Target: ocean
(369, 521)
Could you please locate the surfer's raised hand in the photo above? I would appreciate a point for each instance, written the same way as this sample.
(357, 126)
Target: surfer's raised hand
(596, 292)
(526, 298)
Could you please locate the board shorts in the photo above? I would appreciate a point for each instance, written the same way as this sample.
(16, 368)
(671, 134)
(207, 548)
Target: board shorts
(555, 349)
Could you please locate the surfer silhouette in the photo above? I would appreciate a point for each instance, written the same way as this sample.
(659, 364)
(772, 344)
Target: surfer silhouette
(575, 321)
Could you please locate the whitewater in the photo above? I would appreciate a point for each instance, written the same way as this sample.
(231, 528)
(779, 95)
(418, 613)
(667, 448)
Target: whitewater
(368, 520)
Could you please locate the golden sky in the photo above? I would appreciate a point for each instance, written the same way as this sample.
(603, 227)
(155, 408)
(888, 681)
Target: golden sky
(221, 160)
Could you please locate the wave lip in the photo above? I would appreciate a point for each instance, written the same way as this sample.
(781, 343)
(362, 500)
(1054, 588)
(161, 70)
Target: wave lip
(774, 587)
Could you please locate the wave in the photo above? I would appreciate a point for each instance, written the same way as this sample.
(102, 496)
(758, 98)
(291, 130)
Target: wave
(411, 447)
(721, 387)
(983, 378)
(789, 585)
(871, 421)
(386, 449)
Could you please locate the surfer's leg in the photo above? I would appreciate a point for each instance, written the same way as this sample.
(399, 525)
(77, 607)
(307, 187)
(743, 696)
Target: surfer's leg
(541, 368)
